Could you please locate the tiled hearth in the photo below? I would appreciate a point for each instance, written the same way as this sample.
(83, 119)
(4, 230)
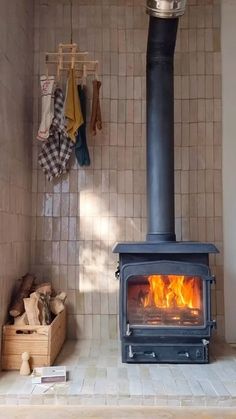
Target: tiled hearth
(97, 377)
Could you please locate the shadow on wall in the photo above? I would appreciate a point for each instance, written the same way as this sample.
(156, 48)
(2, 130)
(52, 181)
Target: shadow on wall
(82, 262)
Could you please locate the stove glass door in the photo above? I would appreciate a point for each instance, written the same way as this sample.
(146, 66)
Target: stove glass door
(165, 300)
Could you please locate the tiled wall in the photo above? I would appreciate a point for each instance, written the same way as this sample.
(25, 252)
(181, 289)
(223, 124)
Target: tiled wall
(16, 63)
(77, 220)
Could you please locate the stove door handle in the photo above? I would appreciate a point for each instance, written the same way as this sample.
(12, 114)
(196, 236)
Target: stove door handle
(148, 354)
(184, 354)
(128, 330)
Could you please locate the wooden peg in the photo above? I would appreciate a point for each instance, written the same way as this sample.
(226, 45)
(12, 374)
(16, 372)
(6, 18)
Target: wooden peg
(25, 367)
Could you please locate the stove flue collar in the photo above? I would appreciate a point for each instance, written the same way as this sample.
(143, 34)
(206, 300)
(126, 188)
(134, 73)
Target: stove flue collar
(166, 9)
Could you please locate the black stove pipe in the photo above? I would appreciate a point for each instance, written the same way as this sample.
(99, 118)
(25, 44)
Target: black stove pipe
(160, 129)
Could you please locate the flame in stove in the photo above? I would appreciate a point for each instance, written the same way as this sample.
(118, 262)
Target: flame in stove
(172, 291)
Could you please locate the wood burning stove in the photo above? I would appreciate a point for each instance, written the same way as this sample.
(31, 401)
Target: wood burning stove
(165, 306)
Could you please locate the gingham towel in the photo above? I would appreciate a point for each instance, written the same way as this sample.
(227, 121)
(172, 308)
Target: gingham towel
(55, 153)
(58, 122)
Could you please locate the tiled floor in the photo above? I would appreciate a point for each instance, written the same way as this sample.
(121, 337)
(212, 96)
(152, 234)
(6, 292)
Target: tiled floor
(97, 377)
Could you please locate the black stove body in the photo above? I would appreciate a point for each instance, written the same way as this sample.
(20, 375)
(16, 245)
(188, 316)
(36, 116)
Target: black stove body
(165, 307)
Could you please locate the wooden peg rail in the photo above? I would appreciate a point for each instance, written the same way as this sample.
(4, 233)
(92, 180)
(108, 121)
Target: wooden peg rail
(68, 56)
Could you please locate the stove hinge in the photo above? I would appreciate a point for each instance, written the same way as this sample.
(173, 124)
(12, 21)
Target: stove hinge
(117, 272)
(211, 279)
(212, 324)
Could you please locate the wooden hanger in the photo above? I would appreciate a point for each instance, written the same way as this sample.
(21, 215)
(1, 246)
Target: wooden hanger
(69, 56)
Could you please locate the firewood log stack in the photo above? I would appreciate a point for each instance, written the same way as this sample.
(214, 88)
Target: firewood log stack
(34, 304)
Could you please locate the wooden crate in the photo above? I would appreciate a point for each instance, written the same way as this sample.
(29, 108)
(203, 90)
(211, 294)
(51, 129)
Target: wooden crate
(42, 342)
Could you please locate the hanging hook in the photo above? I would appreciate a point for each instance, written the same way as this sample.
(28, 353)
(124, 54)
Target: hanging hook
(84, 76)
(96, 71)
(60, 62)
(72, 61)
(71, 23)
(73, 55)
(47, 70)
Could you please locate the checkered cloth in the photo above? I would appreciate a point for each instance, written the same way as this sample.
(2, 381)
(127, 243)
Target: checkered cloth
(58, 122)
(55, 153)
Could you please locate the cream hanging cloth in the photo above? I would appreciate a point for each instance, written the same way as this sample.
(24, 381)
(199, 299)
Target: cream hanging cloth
(47, 84)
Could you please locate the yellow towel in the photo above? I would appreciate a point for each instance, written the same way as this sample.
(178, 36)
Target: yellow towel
(72, 107)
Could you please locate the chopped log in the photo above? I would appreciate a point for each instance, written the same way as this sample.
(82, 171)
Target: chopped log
(36, 296)
(44, 301)
(21, 320)
(32, 310)
(57, 303)
(15, 291)
(62, 296)
(45, 288)
(17, 308)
